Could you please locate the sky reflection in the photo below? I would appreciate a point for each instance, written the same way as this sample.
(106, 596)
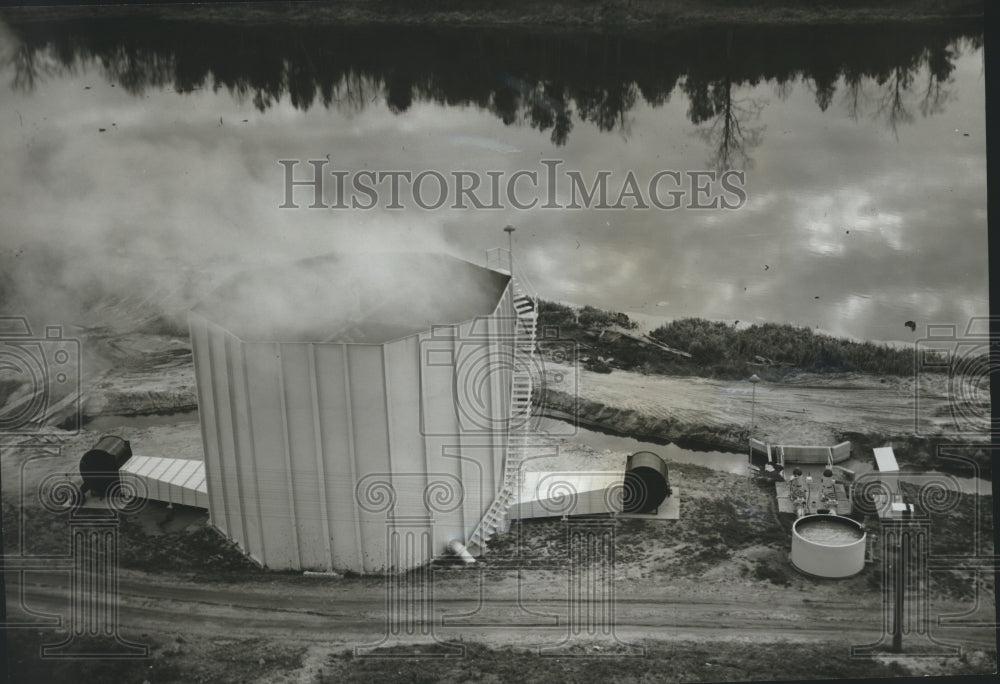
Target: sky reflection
(858, 218)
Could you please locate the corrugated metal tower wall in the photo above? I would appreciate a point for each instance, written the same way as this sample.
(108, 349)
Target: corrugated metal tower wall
(300, 437)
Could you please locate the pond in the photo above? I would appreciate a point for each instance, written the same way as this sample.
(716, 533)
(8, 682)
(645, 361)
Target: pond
(716, 460)
(153, 152)
(110, 423)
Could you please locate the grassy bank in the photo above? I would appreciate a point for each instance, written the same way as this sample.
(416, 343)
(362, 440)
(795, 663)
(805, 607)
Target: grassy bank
(694, 346)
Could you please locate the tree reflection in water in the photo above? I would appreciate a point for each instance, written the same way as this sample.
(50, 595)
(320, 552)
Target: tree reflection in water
(547, 79)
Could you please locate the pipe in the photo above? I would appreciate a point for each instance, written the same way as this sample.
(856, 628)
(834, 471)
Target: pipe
(460, 550)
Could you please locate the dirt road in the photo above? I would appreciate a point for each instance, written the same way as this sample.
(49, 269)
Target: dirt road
(354, 613)
(688, 581)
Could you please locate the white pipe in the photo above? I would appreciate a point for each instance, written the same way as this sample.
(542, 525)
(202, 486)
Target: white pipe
(459, 549)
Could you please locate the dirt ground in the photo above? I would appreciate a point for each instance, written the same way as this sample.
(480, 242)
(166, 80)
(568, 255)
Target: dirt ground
(806, 409)
(719, 574)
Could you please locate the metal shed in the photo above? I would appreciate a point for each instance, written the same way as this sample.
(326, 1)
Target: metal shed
(346, 395)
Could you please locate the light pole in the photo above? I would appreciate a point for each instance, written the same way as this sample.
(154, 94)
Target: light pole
(753, 406)
(510, 246)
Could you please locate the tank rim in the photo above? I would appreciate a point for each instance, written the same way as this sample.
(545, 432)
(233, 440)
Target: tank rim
(830, 516)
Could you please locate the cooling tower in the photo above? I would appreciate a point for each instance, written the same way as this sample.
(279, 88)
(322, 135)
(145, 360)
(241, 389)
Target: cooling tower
(355, 408)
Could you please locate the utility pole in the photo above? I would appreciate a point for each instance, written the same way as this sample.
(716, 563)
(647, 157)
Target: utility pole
(753, 405)
(899, 576)
(753, 409)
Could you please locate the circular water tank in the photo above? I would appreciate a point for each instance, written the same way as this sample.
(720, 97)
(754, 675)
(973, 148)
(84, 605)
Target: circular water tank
(99, 466)
(827, 545)
(646, 483)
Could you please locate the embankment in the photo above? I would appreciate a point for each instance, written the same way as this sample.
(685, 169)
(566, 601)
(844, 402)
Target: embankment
(645, 427)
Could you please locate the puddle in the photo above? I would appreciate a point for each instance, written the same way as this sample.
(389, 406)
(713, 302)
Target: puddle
(111, 423)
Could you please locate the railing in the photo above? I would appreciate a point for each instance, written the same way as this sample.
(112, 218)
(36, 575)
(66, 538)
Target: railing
(498, 259)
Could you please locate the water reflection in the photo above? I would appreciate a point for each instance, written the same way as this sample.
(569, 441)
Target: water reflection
(545, 79)
(118, 134)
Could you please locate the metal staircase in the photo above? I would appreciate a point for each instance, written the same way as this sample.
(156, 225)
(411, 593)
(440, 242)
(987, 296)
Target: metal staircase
(522, 383)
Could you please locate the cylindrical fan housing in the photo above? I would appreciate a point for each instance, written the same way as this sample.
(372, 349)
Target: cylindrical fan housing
(646, 483)
(99, 467)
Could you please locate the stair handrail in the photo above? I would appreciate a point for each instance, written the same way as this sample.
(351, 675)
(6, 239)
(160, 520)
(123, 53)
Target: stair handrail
(500, 504)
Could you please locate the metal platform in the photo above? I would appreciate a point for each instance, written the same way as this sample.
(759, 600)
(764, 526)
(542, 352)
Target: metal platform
(547, 494)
